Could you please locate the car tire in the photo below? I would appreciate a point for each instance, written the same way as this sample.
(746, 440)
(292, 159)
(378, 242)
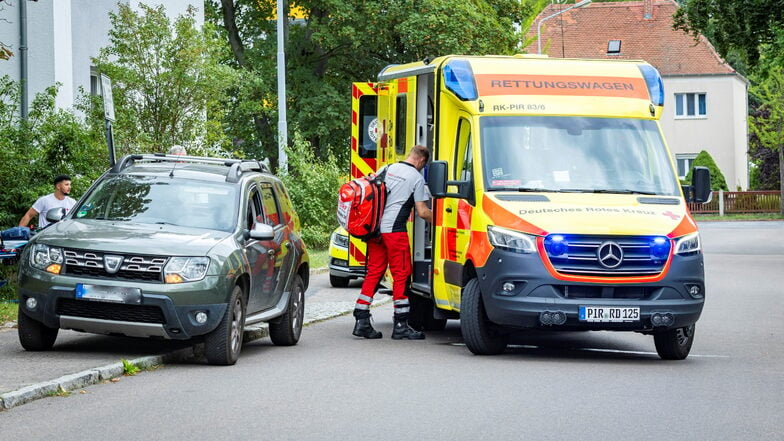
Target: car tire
(480, 335)
(222, 346)
(421, 315)
(339, 282)
(34, 335)
(287, 329)
(674, 344)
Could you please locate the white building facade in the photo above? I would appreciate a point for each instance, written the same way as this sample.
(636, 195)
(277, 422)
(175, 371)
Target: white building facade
(62, 38)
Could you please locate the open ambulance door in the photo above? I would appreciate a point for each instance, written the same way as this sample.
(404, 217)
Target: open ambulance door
(423, 125)
(364, 148)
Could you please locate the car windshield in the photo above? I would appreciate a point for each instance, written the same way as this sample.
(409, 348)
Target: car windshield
(575, 154)
(155, 200)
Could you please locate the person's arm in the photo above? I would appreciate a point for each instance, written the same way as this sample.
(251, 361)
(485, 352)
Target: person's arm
(424, 212)
(25, 221)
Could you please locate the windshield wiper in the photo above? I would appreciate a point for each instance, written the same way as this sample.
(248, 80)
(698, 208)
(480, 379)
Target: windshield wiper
(535, 190)
(621, 191)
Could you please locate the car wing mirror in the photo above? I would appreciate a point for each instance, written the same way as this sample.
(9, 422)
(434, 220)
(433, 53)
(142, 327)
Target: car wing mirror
(55, 214)
(262, 231)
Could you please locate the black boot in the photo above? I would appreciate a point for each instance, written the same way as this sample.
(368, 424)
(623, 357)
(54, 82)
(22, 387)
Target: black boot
(363, 328)
(403, 331)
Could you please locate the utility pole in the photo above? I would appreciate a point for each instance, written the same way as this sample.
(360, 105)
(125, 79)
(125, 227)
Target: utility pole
(282, 124)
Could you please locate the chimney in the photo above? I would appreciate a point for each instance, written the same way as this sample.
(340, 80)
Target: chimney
(647, 10)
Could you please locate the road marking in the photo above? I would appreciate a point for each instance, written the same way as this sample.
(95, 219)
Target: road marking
(611, 351)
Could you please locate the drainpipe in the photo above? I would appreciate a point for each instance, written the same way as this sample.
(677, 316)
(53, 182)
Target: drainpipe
(23, 56)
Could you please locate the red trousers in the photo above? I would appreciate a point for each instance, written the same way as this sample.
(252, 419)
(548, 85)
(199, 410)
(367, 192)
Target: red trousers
(390, 249)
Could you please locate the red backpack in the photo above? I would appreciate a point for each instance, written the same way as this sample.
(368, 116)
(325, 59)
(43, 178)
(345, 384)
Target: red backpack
(361, 203)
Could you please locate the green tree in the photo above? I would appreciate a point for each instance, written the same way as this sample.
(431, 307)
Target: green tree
(32, 152)
(751, 28)
(340, 41)
(768, 126)
(166, 81)
(704, 159)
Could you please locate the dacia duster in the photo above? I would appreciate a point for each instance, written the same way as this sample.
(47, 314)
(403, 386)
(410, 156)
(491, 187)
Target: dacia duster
(174, 247)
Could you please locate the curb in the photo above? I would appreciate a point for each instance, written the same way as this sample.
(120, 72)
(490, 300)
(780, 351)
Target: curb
(70, 382)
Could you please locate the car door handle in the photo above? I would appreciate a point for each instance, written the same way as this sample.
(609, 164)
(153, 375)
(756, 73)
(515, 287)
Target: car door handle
(448, 210)
(271, 252)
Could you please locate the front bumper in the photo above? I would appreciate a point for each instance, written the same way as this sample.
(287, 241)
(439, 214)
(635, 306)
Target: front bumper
(537, 291)
(339, 268)
(166, 310)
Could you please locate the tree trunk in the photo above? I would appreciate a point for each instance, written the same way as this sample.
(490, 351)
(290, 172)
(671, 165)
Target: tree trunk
(230, 22)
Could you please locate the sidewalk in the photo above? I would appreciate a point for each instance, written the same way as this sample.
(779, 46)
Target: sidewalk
(80, 359)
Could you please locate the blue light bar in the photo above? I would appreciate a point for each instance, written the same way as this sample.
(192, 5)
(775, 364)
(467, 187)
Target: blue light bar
(459, 79)
(654, 81)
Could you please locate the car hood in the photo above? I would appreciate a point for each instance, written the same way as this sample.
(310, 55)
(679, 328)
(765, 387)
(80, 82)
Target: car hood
(129, 237)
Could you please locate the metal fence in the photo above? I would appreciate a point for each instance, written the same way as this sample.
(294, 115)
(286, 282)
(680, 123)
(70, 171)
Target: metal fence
(724, 202)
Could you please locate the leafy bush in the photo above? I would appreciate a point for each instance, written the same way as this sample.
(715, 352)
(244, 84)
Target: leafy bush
(50, 142)
(704, 159)
(313, 185)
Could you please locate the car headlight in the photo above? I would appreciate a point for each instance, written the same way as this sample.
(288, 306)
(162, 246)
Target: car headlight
(44, 257)
(185, 269)
(511, 240)
(689, 244)
(340, 240)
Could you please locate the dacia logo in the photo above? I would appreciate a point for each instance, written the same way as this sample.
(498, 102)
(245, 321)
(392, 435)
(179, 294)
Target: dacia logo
(112, 263)
(610, 255)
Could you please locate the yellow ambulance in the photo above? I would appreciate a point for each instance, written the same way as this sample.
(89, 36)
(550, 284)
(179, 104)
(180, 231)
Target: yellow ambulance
(555, 200)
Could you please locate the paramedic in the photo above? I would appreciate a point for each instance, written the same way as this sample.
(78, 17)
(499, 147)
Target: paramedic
(405, 190)
(60, 198)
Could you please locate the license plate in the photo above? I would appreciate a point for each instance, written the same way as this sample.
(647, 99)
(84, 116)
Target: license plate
(115, 294)
(611, 314)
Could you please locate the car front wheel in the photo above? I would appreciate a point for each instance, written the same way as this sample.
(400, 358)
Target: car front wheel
(222, 346)
(34, 335)
(481, 336)
(339, 282)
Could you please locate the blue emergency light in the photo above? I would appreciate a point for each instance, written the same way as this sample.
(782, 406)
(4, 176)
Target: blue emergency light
(654, 82)
(459, 79)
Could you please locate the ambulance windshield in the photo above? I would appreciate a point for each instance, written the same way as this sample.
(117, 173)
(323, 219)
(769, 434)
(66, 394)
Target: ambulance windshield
(575, 154)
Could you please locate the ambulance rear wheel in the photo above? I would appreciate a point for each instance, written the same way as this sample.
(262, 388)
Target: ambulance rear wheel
(338, 282)
(481, 336)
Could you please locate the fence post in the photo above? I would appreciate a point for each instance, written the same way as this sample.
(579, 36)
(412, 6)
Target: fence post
(721, 202)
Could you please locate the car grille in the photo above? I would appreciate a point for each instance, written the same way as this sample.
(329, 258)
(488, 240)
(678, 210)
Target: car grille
(109, 311)
(581, 256)
(134, 267)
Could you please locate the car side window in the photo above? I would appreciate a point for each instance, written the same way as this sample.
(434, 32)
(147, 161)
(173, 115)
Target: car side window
(270, 205)
(254, 208)
(285, 203)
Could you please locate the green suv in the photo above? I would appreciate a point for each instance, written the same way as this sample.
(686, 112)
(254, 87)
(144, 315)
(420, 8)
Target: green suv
(173, 247)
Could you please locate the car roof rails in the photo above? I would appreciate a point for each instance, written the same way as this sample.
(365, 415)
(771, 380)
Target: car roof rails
(236, 166)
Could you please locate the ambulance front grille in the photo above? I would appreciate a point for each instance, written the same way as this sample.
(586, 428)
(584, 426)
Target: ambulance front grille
(638, 256)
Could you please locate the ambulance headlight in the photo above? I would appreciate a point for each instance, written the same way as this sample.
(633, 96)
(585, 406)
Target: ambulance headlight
(511, 240)
(339, 240)
(689, 244)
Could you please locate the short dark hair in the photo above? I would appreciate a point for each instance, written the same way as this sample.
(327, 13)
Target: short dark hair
(61, 178)
(421, 151)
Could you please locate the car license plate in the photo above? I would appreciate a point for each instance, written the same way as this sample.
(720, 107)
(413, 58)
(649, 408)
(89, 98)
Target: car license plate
(609, 314)
(115, 294)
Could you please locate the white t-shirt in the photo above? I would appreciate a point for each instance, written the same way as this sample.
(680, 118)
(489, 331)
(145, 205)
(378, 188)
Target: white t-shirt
(405, 186)
(46, 203)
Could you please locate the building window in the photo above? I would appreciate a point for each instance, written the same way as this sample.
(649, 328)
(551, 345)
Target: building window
(691, 105)
(684, 161)
(95, 82)
(614, 47)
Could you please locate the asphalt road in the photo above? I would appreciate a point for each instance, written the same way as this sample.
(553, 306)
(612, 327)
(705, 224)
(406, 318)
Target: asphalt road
(591, 386)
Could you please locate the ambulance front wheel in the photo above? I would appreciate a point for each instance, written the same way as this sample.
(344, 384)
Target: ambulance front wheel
(481, 336)
(338, 282)
(674, 344)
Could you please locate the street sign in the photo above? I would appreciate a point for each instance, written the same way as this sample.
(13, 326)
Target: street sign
(108, 101)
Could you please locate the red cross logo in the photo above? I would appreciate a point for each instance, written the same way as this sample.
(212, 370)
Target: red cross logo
(672, 215)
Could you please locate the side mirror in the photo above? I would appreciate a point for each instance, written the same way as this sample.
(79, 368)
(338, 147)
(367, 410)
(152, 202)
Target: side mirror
(701, 182)
(55, 214)
(436, 179)
(262, 231)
